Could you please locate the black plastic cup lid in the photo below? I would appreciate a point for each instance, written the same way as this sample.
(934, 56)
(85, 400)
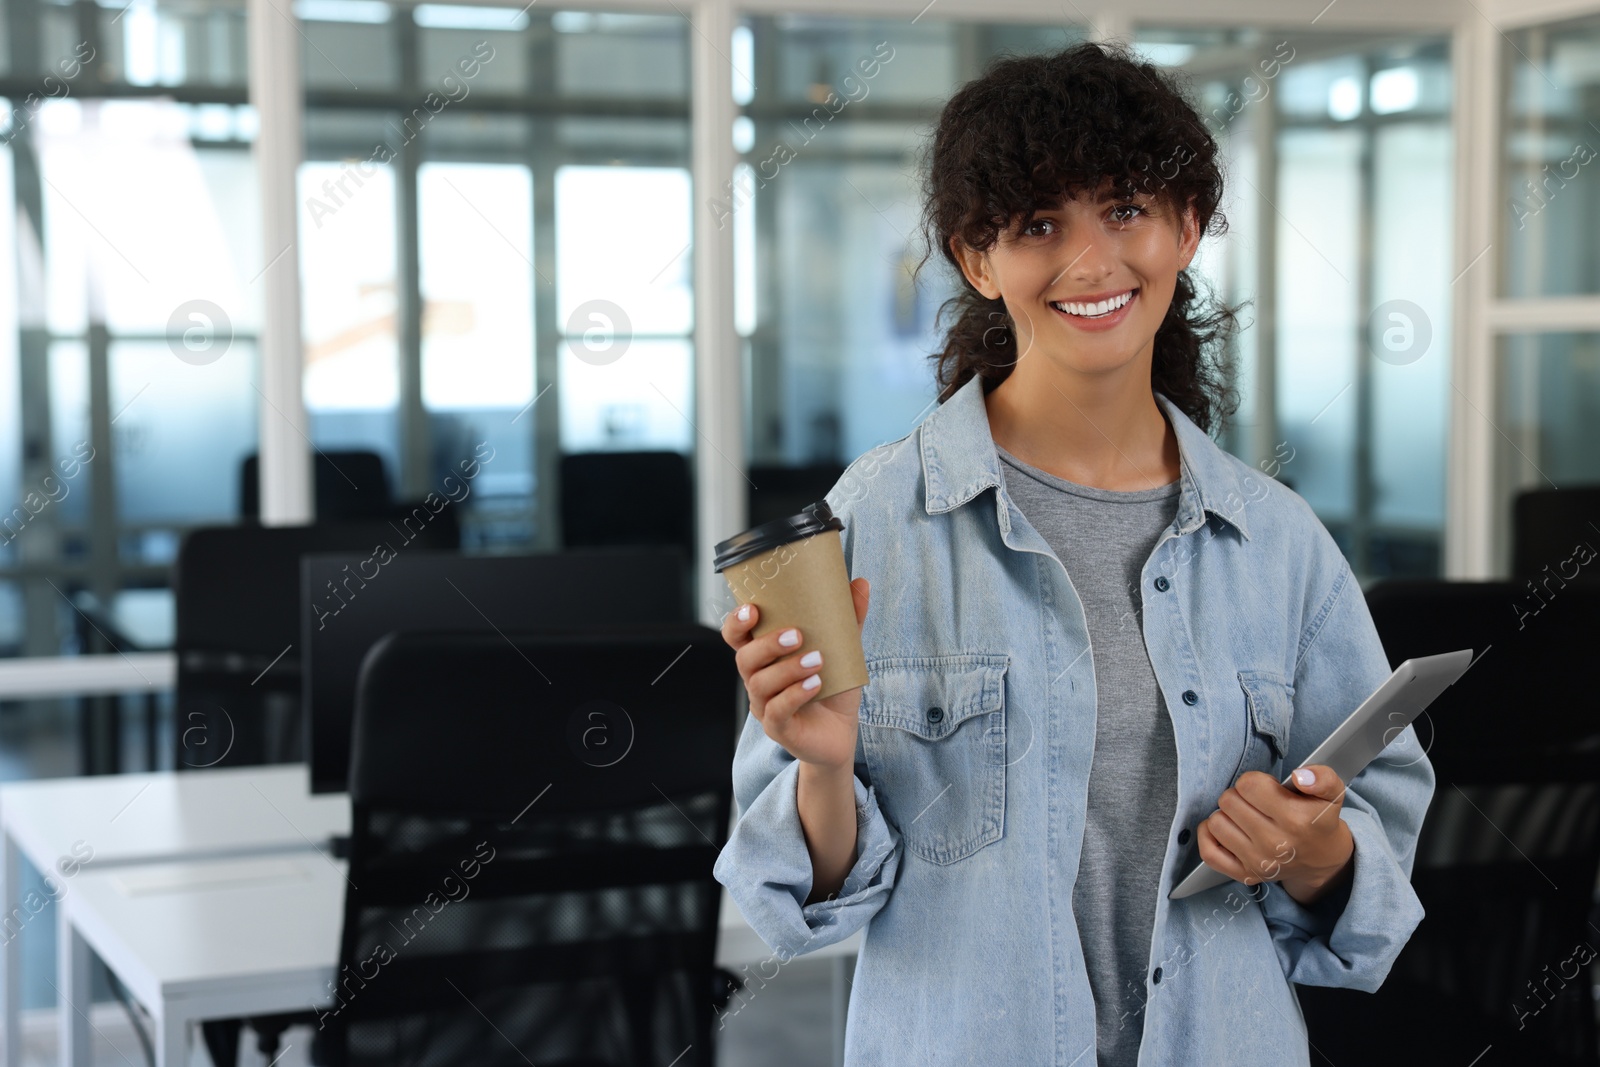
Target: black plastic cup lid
(810, 520)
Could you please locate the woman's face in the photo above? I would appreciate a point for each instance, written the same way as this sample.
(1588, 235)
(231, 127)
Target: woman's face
(1120, 253)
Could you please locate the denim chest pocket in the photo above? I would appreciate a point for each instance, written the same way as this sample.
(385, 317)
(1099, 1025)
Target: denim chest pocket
(1268, 711)
(934, 735)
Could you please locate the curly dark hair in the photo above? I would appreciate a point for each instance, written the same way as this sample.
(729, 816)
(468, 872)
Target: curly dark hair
(1033, 128)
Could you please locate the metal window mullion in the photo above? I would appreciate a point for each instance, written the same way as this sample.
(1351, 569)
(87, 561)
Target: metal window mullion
(1364, 492)
(1264, 129)
(542, 422)
(415, 444)
(39, 542)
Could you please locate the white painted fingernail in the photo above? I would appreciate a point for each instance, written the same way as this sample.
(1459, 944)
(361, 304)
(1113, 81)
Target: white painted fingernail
(1305, 776)
(744, 613)
(811, 682)
(811, 659)
(789, 638)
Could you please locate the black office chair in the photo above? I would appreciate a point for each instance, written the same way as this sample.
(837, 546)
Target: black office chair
(778, 492)
(237, 603)
(1548, 528)
(346, 485)
(534, 823)
(355, 486)
(629, 498)
(1509, 852)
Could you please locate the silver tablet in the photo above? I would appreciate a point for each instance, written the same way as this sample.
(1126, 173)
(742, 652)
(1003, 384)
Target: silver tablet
(1414, 685)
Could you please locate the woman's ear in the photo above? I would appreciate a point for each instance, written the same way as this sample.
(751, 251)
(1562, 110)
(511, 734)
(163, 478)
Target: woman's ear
(1188, 236)
(975, 265)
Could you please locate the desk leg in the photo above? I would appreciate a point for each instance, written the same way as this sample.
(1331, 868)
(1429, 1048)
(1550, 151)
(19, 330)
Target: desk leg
(172, 1047)
(11, 974)
(842, 966)
(75, 999)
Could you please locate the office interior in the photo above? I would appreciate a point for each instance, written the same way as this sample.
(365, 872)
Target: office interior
(553, 298)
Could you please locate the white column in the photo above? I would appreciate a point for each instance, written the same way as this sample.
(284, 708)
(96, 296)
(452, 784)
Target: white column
(275, 90)
(1471, 495)
(719, 391)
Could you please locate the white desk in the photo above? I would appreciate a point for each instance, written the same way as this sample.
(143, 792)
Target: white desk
(223, 939)
(142, 818)
(75, 676)
(214, 939)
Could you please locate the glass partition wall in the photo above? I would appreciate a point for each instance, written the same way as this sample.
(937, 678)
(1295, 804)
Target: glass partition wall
(1341, 168)
(1340, 174)
(1546, 349)
(470, 197)
(128, 304)
(491, 198)
(478, 209)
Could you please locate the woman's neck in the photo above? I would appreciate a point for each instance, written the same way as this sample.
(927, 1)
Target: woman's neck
(1106, 432)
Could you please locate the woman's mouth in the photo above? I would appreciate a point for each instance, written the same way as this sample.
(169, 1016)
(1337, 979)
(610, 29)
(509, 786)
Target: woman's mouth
(1101, 314)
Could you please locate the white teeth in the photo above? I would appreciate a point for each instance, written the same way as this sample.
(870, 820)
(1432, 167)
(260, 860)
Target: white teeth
(1104, 307)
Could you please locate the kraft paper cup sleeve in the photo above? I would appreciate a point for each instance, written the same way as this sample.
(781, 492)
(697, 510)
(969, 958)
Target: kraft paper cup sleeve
(805, 584)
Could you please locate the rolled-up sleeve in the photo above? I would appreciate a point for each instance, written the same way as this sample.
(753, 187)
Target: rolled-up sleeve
(767, 867)
(1351, 937)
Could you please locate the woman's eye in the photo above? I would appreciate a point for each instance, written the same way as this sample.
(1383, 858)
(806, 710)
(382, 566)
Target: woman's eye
(1030, 230)
(1135, 208)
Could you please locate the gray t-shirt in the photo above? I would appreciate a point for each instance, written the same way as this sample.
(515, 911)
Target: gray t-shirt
(1103, 538)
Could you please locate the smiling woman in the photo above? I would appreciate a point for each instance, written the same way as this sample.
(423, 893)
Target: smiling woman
(1020, 761)
(1121, 182)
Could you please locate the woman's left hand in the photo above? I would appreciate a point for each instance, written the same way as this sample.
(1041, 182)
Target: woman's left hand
(1265, 831)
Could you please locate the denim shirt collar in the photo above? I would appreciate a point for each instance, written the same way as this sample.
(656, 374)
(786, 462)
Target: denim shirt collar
(959, 461)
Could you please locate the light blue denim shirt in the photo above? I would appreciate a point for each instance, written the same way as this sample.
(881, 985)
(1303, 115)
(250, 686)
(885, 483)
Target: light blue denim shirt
(972, 769)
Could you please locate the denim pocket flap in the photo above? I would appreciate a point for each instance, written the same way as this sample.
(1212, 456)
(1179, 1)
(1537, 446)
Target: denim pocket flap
(933, 732)
(931, 696)
(1270, 701)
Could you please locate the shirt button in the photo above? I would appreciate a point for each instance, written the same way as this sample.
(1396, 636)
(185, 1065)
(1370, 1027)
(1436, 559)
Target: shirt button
(1183, 836)
(1162, 585)
(935, 714)
(1156, 977)
(1191, 697)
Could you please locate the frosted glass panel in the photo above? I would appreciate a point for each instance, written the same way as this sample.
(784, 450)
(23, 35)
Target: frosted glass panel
(1549, 155)
(1548, 418)
(1319, 226)
(1413, 263)
(176, 226)
(348, 300)
(476, 235)
(182, 432)
(643, 402)
(622, 238)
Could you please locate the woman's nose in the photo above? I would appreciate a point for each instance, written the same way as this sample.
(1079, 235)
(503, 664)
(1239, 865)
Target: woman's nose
(1088, 256)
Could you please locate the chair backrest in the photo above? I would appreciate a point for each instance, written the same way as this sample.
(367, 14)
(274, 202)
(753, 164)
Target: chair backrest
(1509, 852)
(778, 492)
(627, 498)
(343, 615)
(535, 818)
(346, 485)
(1556, 532)
(236, 592)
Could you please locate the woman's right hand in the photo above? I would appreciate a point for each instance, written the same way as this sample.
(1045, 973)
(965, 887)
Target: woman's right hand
(822, 732)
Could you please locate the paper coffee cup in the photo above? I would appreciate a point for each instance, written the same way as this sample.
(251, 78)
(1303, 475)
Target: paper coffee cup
(793, 571)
